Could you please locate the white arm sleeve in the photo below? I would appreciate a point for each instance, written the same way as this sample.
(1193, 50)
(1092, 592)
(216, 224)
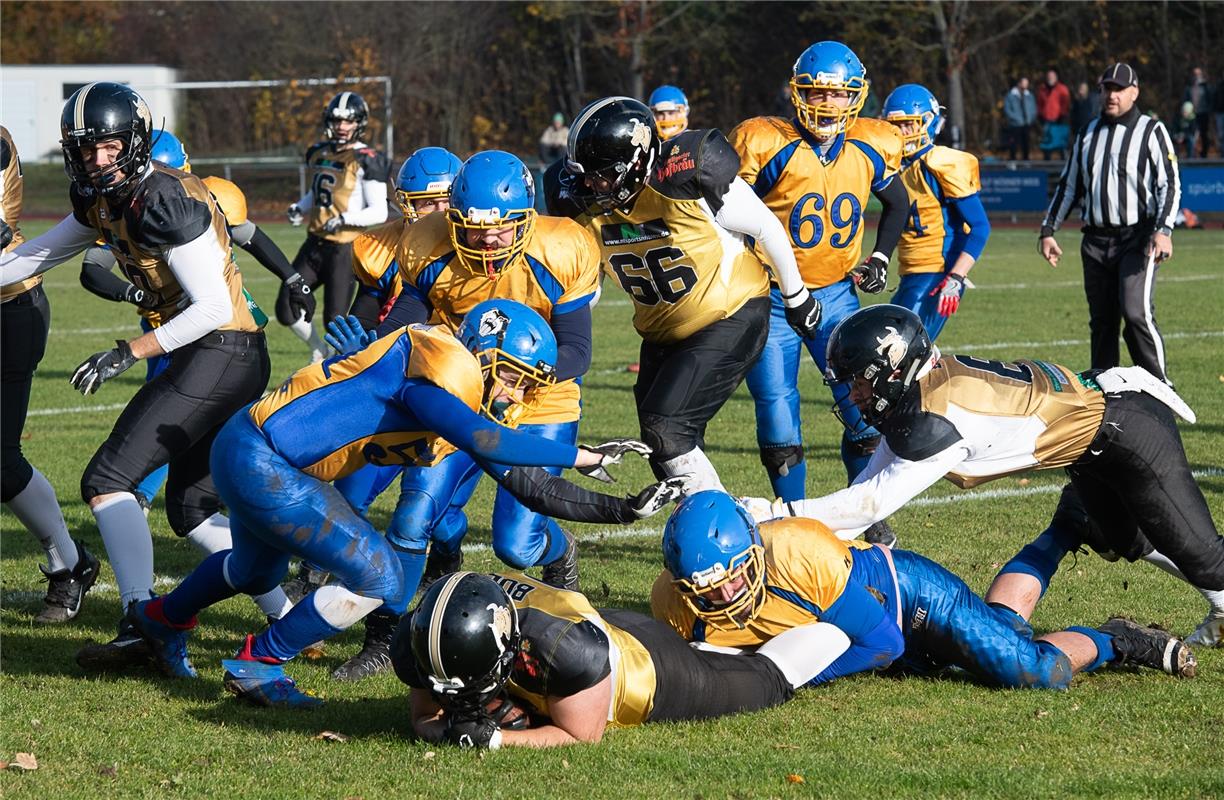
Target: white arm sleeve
(374, 210)
(743, 212)
(197, 266)
(306, 201)
(803, 653)
(877, 495)
(42, 253)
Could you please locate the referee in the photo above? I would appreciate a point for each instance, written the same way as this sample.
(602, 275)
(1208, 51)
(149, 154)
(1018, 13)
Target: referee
(1124, 169)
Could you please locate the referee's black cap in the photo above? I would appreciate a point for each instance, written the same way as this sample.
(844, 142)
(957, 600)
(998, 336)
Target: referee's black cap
(1120, 75)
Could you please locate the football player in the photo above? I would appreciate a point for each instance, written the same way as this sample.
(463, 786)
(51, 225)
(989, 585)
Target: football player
(477, 643)
(817, 172)
(946, 228)
(671, 110)
(407, 398)
(348, 192)
(98, 278)
(732, 583)
(25, 318)
(171, 239)
(491, 244)
(973, 420)
(672, 221)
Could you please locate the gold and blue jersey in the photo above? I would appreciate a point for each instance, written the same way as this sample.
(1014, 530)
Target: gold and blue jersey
(558, 273)
(807, 569)
(374, 260)
(933, 181)
(820, 200)
(300, 419)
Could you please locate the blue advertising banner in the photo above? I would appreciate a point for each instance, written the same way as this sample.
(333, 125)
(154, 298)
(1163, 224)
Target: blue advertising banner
(1015, 190)
(1202, 188)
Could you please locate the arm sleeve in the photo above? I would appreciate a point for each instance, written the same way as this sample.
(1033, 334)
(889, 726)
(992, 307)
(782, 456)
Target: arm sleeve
(895, 200)
(878, 496)
(196, 265)
(969, 211)
(41, 253)
(743, 212)
(409, 309)
(805, 652)
(366, 306)
(97, 278)
(1167, 189)
(440, 411)
(573, 332)
(556, 497)
(260, 245)
(306, 201)
(1066, 193)
(374, 210)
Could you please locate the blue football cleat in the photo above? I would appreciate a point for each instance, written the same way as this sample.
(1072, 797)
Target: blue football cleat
(167, 644)
(265, 685)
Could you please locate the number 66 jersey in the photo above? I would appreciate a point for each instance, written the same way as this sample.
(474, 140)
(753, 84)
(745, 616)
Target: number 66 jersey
(682, 269)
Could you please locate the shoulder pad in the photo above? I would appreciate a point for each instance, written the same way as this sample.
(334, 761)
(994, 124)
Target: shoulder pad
(231, 199)
(438, 357)
(915, 434)
(956, 170)
(883, 137)
(374, 250)
(763, 133)
(375, 164)
(168, 208)
(678, 157)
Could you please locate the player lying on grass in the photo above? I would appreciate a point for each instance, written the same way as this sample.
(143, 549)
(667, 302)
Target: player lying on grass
(478, 643)
(972, 420)
(732, 583)
(407, 398)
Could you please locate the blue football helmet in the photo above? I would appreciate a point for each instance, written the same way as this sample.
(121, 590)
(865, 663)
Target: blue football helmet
(911, 103)
(669, 101)
(517, 351)
(427, 174)
(709, 542)
(170, 151)
(493, 190)
(832, 67)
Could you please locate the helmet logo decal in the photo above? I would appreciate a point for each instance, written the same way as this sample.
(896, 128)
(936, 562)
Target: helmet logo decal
(708, 577)
(501, 626)
(640, 136)
(892, 347)
(830, 77)
(493, 323)
(142, 110)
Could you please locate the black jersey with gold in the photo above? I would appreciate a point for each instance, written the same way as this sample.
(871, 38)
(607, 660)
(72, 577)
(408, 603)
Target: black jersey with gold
(166, 208)
(11, 185)
(682, 269)
(336, 174)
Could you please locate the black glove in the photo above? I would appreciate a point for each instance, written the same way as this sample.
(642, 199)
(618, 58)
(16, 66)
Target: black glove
(101, 367)
(804, 318)
(611, 452)
(293, 300)
(6, 234)
(473, 730)
(871, 275)
(504, 708)
(657, 496)
(139, 297)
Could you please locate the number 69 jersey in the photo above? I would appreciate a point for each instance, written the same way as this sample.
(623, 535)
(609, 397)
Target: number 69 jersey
(820, 200)
(682, 269)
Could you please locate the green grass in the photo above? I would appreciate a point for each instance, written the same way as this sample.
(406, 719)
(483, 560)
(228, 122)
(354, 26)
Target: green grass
(1114, 734)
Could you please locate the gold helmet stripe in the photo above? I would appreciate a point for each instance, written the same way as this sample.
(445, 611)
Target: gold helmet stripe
(435, 623)
(78, 110)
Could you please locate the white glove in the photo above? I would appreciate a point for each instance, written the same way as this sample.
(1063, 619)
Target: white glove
(763, 510)
(295, 215)
(1138, 379)
(333, 224)
(610, 452)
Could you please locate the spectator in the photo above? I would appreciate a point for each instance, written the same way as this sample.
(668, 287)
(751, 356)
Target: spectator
(1054, 111)
(1020, 112)
(1198, 92)
(1217, 108)
(1085, 107)
(1185, 130)
(553, 140)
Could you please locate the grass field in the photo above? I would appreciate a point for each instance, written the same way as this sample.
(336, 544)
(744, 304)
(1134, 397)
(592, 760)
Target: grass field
(1114, 734)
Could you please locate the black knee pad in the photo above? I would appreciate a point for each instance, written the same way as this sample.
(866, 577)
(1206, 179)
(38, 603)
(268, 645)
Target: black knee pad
(779, 460)
(666, 437)
(860, 447)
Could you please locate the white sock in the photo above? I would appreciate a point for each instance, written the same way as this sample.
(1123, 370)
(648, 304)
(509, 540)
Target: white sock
(212, 535)
(129, 545)
(306, 332)
(38, 510)
(341, 608)
(696, 464)
(1215, 597)
(274, 603)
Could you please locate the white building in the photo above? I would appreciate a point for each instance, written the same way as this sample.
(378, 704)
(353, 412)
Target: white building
(33, 96)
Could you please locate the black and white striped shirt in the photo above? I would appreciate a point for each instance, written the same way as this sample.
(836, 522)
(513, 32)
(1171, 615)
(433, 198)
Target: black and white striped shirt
(1124, 172)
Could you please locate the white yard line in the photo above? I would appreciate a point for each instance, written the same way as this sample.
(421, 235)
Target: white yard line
(56, 412)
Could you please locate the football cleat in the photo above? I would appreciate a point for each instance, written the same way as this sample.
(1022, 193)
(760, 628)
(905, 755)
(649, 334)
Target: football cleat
(120, 654)
(167, 642)
(375, 655)
(1210, 632)
(66, 588)
(882, 534)
(439, 563)
(563, 573)
(1149, 647)
(263, 683)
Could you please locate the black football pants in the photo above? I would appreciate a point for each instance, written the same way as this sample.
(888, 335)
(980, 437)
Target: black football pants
(24, 323)
(330, 265)
(1121, 287)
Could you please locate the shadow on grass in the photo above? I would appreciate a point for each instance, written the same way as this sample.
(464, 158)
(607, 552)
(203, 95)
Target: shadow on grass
(355, 718)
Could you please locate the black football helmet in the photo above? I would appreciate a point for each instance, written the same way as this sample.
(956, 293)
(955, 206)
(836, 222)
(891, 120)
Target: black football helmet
(465, 636)
(614, 139)
(101, 111)
(885, 345)
(346, 107)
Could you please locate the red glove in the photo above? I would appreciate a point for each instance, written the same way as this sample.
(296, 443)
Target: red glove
(949, 291)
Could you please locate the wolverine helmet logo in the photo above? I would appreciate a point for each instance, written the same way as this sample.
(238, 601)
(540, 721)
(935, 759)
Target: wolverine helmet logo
(892, 347)
(501, 626)
(640, 135)
(493, 323)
